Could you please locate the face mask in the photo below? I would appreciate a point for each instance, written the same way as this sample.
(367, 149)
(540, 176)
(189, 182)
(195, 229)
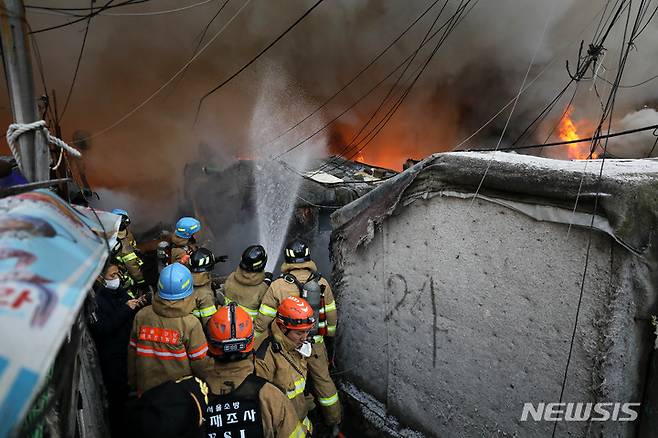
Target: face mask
(113, 284)
(305, 349)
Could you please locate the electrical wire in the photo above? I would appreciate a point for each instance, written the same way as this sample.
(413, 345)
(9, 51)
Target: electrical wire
(170, 80)
(607, 114)
(255, 58)
(568, 142)
(354, 78)
(84, 17)
(77, 67)
(453, 22)
(361, 98)
(145, 14)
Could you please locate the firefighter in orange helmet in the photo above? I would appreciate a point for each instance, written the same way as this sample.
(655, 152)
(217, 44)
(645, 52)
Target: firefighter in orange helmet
(282, 358)
(238, 396)
(301, 278)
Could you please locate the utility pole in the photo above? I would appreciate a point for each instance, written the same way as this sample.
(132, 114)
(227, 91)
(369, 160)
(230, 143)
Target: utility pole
(17, 61)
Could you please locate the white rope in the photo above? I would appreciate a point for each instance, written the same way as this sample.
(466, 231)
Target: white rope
(15, 130)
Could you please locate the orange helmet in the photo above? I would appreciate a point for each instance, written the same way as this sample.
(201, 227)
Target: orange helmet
(295, 313)
(230, 333)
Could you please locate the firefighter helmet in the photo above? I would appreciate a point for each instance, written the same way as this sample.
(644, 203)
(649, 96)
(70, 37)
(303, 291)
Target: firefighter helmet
(230, 333)
(186, 227)
(202, 260)
(125, 218)
(297, 252)
(175, 282)
(295, 313)
(254, 259)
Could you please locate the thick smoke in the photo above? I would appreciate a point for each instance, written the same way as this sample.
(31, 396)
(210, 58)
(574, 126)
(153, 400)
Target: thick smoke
(478, 70)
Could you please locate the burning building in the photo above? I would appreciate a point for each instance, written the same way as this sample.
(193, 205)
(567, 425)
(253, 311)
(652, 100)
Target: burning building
(463, 299)
(242, 204)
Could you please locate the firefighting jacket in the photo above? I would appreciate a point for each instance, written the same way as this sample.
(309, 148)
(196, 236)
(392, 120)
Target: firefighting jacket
(323, 386)
(283, 366)
(278, 415)
(204, 297)
(246, 289)
(180, 247)
(281, 289)
(129, 258)
(166, 343)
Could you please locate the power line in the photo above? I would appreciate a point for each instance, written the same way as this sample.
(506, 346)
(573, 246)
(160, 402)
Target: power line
(170, 80)
(255, 58)
(168, 11)
(77, 67)
(85, 17)
(607, 113)
(452, 22)
(568, 142)
(50, 8)
(354, 78)
(363, 96)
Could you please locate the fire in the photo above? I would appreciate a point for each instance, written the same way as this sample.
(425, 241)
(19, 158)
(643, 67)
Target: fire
(568, 131)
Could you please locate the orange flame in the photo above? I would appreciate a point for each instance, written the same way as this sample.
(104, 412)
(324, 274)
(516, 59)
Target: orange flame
(568, 131)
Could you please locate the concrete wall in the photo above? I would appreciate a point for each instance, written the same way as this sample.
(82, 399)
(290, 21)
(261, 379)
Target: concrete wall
(455, 315)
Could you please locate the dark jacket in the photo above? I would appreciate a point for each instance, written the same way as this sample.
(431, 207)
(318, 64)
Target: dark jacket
(111, 323)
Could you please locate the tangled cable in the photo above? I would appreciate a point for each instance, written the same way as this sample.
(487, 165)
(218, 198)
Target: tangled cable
(15, 130)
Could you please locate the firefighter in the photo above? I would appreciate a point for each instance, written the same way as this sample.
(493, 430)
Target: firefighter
(256, 407)
(167, 342)
(127, 255)
(202, 262)
(283, 359)
(174, 409)
(249, 282)
(183, 242)
(299, 277)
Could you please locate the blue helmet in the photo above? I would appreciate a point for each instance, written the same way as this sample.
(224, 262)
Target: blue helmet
(175, 282)
(125, 219)
(187, 226)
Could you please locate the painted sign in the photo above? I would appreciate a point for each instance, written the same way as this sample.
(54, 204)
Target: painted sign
(50, 254)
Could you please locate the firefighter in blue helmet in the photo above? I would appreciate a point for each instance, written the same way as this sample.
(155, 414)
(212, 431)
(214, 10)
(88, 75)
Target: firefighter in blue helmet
(183, 242)
(167, 342)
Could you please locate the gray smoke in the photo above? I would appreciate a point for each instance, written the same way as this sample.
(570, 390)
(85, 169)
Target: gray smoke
(477, 71)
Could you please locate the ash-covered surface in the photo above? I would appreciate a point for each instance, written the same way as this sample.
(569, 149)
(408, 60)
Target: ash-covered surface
(454, 314)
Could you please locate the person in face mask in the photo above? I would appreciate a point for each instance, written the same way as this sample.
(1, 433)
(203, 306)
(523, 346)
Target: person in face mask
(110, 324)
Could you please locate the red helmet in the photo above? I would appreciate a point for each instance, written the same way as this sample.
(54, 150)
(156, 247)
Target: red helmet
(230, 332)
(295, 313)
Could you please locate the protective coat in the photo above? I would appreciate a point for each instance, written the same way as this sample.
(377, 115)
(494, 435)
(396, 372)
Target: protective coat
(280, 289)
(129, 258)
(246, 289)
(204, 297)
(278, 361)
(278, 415)
(166, 343)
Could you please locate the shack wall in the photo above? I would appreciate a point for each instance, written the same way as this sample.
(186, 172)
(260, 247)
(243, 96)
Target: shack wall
(454, 315)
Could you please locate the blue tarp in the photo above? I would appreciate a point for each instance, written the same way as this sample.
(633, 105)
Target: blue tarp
(50, 254)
